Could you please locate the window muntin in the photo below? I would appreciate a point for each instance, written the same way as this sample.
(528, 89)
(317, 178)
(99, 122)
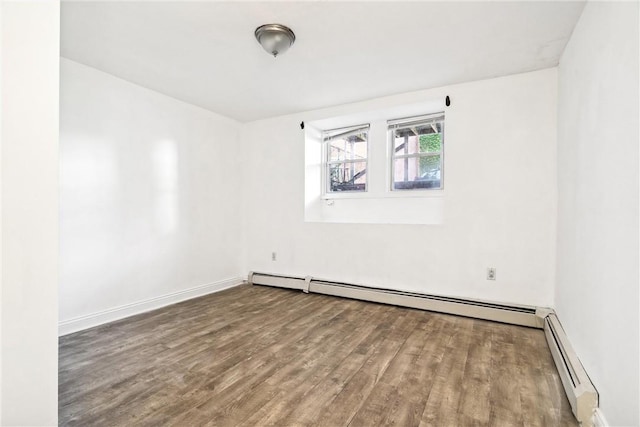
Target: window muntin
(417, 152)
(346, 159)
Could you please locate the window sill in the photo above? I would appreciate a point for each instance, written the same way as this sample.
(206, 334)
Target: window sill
(397, 194)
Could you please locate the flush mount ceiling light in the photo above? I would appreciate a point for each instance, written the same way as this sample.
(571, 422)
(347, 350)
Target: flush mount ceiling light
(275, 38)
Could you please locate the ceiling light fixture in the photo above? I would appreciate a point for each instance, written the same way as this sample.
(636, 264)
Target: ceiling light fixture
(275, 38)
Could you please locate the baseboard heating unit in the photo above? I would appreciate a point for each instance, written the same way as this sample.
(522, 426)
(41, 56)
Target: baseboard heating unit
(580, 391)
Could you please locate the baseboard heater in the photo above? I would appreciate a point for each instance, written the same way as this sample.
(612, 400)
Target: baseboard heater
(513, 314)
(580, 391)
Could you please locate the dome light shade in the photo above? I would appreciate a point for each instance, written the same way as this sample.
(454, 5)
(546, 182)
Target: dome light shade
(275, 38)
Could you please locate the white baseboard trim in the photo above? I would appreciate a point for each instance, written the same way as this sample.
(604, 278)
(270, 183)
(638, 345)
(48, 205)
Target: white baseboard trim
(105, 316)
(598, 419)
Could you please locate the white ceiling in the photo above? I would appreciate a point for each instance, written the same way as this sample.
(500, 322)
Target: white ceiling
(205, 53)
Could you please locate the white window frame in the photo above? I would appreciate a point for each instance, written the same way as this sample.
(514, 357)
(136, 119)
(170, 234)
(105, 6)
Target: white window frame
(328, 135)
(406, 122)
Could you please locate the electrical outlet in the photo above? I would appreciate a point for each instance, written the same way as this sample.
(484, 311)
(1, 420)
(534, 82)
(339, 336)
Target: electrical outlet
(273, 256)
(491, 273)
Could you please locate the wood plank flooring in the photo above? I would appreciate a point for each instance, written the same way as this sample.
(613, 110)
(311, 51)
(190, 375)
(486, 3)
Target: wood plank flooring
(258, 356)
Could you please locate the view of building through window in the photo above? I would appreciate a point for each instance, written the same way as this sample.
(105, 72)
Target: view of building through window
(347, 159)
(417, 155)
(415, 161)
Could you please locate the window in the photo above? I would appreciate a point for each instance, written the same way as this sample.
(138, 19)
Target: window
(346, 158)
(417, 152)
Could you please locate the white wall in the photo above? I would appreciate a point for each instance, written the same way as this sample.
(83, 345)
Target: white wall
(597, 275)
(498, 207)
(29, 180)
(150, 201)
(1, 102)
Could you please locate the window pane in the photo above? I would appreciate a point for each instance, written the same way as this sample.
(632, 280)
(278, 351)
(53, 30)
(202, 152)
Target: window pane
(417, 140)
(353, 147)
(417, 172)
(337, 150)
(348, 176)
(430, 143)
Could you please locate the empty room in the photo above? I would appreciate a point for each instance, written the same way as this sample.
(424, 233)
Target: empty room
(319, 213)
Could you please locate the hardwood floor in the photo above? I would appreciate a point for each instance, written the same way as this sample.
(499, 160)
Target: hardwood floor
(259, 356)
